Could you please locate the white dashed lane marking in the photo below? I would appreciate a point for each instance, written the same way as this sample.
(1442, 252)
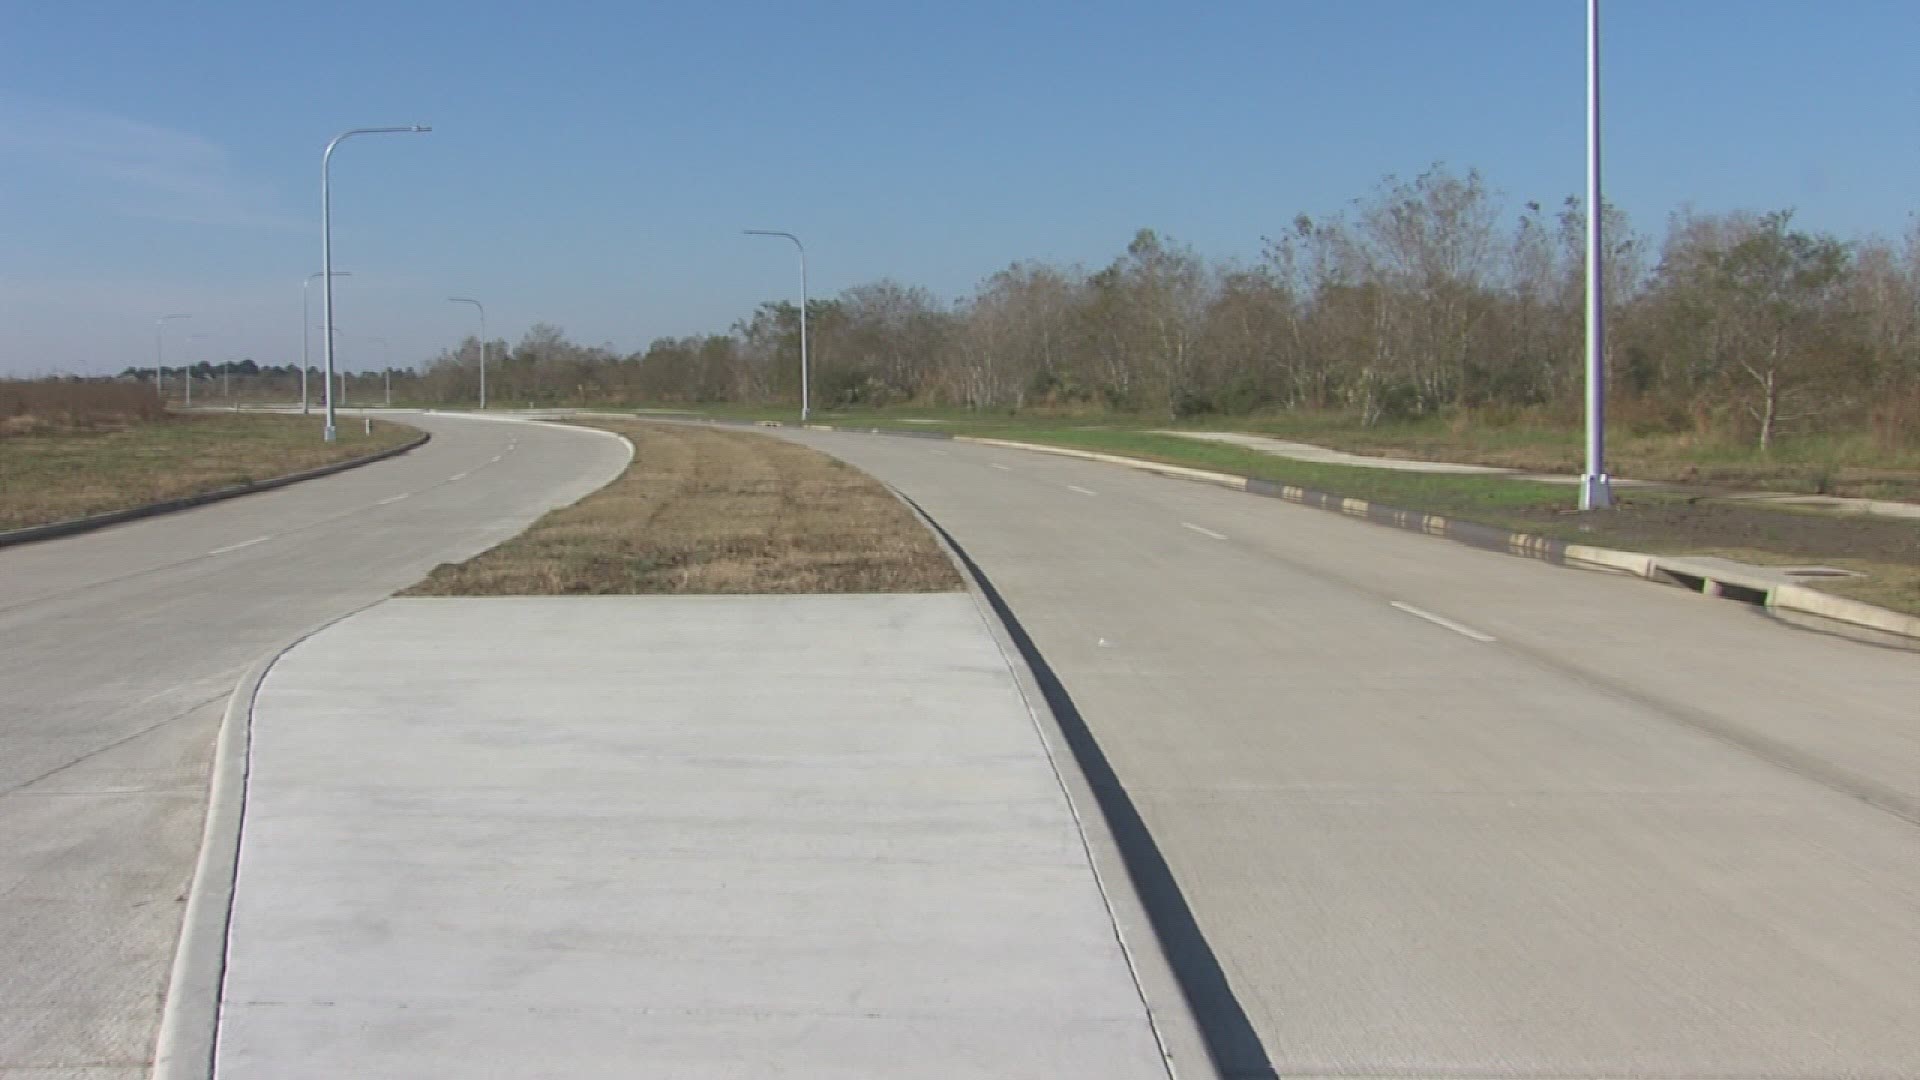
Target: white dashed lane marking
(241, 544)
(1081, 490)
(1441, 620)
(1203, 530)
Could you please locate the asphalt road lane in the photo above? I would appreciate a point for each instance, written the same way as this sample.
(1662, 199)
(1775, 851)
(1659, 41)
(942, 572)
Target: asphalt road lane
(1445, 813)
(117, 651)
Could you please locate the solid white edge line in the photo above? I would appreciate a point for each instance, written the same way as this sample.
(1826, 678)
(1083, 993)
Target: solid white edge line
(241, 544)
(1203, 530)
(1441, 620)
(1081, 490)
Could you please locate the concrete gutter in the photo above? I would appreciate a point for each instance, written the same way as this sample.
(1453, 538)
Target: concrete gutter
(190, 1014)
(1123, 871)
(100, 521)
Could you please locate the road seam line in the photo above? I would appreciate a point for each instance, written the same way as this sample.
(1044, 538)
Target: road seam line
(241, 544)
(1203, 530)
(1442, 620)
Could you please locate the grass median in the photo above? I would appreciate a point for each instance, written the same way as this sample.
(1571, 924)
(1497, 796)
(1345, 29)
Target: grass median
(55, 473)
(702, 510)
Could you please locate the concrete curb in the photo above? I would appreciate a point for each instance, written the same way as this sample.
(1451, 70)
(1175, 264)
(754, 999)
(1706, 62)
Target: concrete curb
(1868, 622)
(100, 521)
(1178, 472)
(1176, 1028)
(190, 1014)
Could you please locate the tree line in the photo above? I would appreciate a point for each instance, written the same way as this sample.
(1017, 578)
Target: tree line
(1426, 296)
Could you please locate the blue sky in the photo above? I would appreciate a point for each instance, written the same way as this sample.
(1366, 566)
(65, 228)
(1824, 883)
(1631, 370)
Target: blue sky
(592, 164)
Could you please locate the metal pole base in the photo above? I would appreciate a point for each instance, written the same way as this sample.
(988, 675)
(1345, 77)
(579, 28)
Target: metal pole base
(1596, 491)
(330, 432)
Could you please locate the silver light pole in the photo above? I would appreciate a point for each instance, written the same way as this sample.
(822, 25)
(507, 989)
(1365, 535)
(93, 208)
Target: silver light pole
(306, 332)
(326, 244)
(483, 343)
(1595, 490)
(159, 354)
(805, 410)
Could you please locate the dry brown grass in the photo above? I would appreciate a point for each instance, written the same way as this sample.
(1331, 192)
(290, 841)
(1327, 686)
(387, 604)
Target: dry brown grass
(63, 473)
(707, 511)
(44, 406)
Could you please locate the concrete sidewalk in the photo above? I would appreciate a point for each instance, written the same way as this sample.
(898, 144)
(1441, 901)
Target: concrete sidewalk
(807, 836)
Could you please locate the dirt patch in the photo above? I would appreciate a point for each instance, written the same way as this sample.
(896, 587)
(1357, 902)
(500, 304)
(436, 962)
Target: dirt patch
(1680, 525)
(707, 511)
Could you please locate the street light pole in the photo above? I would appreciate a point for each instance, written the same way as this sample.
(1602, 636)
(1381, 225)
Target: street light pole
(805, 409)
(306, 332)
(326, 244)
(159, 355)
(1595, 490)
(483, 343)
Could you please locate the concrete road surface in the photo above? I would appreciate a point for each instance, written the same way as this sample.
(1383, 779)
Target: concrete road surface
(1417, 810)
(117, 650)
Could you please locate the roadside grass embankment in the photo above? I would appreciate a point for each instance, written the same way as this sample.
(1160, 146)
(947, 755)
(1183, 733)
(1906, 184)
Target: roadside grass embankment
(58, 467)
(703, 510)
(1856, 465)
(28, 406)
(1884, 552)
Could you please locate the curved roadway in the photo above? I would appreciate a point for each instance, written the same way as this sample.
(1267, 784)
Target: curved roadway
(1400, 808)
(1412, 809)
(117, 652)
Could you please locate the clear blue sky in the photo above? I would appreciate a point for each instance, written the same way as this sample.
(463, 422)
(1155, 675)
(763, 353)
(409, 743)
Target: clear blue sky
(592, 164)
